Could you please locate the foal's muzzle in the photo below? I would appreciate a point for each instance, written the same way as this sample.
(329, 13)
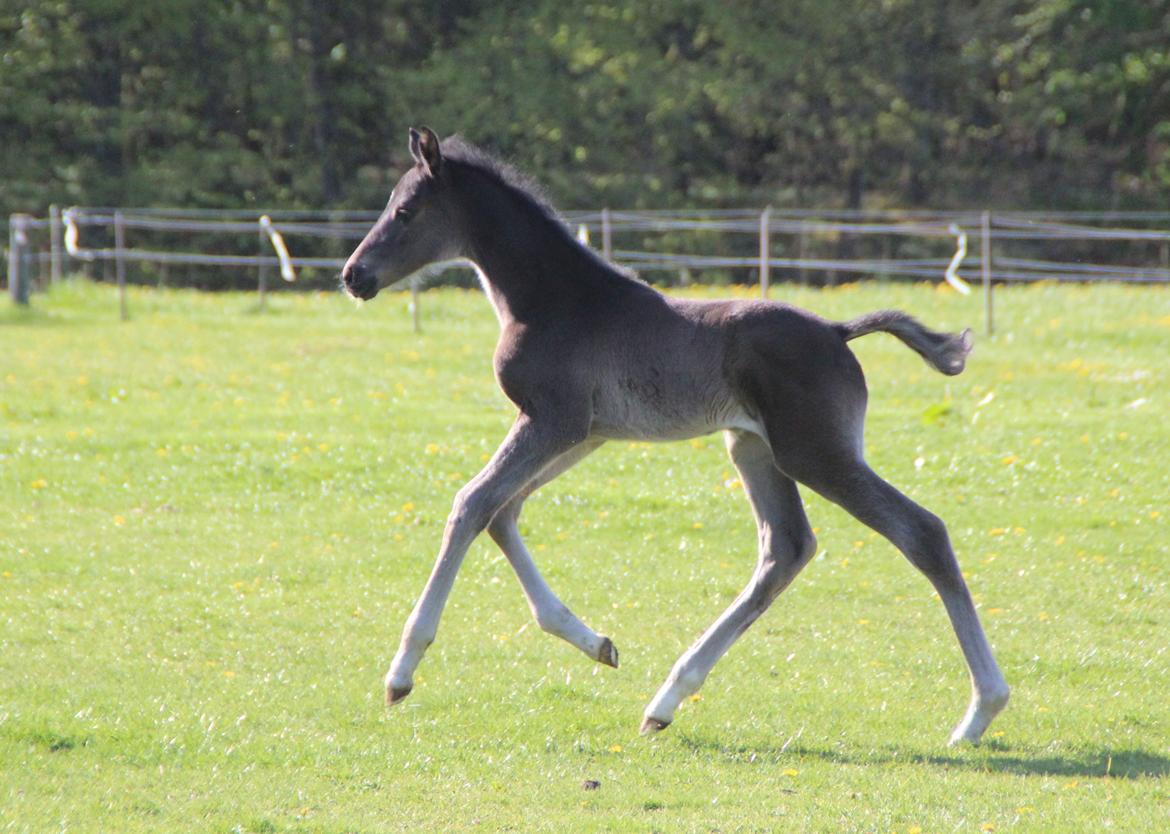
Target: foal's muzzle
(359, 281)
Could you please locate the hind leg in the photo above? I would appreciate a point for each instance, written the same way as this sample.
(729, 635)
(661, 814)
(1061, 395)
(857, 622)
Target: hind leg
(814, 415)
(922, 537)
(786, 543)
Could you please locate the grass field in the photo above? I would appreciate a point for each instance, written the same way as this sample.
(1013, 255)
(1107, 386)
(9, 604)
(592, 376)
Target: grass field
(214, 521)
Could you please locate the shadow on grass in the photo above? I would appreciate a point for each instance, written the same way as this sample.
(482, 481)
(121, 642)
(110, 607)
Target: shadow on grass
(30, 316)
(991, 757)
(50, 741)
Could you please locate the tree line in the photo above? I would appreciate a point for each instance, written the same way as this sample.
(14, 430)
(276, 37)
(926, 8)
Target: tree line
(1053, 104)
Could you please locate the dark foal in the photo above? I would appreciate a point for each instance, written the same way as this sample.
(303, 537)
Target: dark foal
(588, 354)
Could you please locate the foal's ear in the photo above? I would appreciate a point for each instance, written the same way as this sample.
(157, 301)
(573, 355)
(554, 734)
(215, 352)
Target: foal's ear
(424, 147)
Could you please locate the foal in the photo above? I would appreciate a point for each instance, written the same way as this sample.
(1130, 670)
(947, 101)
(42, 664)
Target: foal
(588, 354)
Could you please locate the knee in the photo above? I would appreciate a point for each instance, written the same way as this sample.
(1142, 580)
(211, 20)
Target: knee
(782, 548)
(931, 534)
(470, 510)
(929, 548)
(783, 554)
(804, 545)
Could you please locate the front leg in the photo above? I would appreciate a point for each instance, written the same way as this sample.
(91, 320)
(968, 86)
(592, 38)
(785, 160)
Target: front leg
(529, 447)
(551, 614)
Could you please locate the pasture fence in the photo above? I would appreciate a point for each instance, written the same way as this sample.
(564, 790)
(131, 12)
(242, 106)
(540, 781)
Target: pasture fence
(811, 246)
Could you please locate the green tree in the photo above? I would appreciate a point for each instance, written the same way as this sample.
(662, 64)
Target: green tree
(656, 103)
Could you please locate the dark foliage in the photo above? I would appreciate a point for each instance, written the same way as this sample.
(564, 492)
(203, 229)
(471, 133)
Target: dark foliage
(303, 103)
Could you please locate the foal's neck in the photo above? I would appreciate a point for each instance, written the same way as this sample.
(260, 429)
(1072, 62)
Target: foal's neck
(531, 266)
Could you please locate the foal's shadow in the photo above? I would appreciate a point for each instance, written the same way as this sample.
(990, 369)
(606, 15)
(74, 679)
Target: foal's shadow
(991, 756)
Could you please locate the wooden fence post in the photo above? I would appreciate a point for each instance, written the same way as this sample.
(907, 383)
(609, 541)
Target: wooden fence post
(120, 262)
(765, 250)
(17, 280)
(985, 256)
(801, 255)
(606, 240)
(55, 243)
(262, 269)
(414, 320)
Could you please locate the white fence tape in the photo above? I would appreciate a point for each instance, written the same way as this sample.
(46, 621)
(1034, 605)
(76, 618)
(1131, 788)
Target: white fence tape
(71, 236)
(951, 275)
(286, 268)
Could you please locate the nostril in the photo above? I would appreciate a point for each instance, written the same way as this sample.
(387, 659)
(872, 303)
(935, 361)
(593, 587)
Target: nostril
(358, 280)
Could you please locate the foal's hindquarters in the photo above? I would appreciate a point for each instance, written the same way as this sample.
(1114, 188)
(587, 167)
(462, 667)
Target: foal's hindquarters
(796, 376)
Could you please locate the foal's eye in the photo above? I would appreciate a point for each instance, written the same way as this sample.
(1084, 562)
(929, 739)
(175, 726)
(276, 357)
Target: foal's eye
(402, 216)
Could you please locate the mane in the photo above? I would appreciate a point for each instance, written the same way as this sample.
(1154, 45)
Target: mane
(459, 150)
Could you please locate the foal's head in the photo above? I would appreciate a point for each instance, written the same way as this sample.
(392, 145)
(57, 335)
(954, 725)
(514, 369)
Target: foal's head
(417, 228)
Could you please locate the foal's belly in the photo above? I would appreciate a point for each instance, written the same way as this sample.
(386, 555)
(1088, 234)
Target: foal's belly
(649, 408)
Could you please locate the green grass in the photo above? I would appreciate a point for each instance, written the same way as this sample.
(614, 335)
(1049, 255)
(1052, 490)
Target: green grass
(214, 523)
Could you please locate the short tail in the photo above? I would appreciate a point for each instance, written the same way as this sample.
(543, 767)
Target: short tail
(945, 352)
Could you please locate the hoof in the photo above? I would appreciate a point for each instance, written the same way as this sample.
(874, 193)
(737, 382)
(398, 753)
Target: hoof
(653, 725)
(608, 653)
(396, 694)
(979, 716)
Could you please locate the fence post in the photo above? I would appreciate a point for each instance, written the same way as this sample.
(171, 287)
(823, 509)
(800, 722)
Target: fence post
(13, 257)
(262, 269)
(120, 262)
(606, 241)
(414, 321)
(765, 250)
(985, 256)
(17, 239)
(801, 254)
(55, 247)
